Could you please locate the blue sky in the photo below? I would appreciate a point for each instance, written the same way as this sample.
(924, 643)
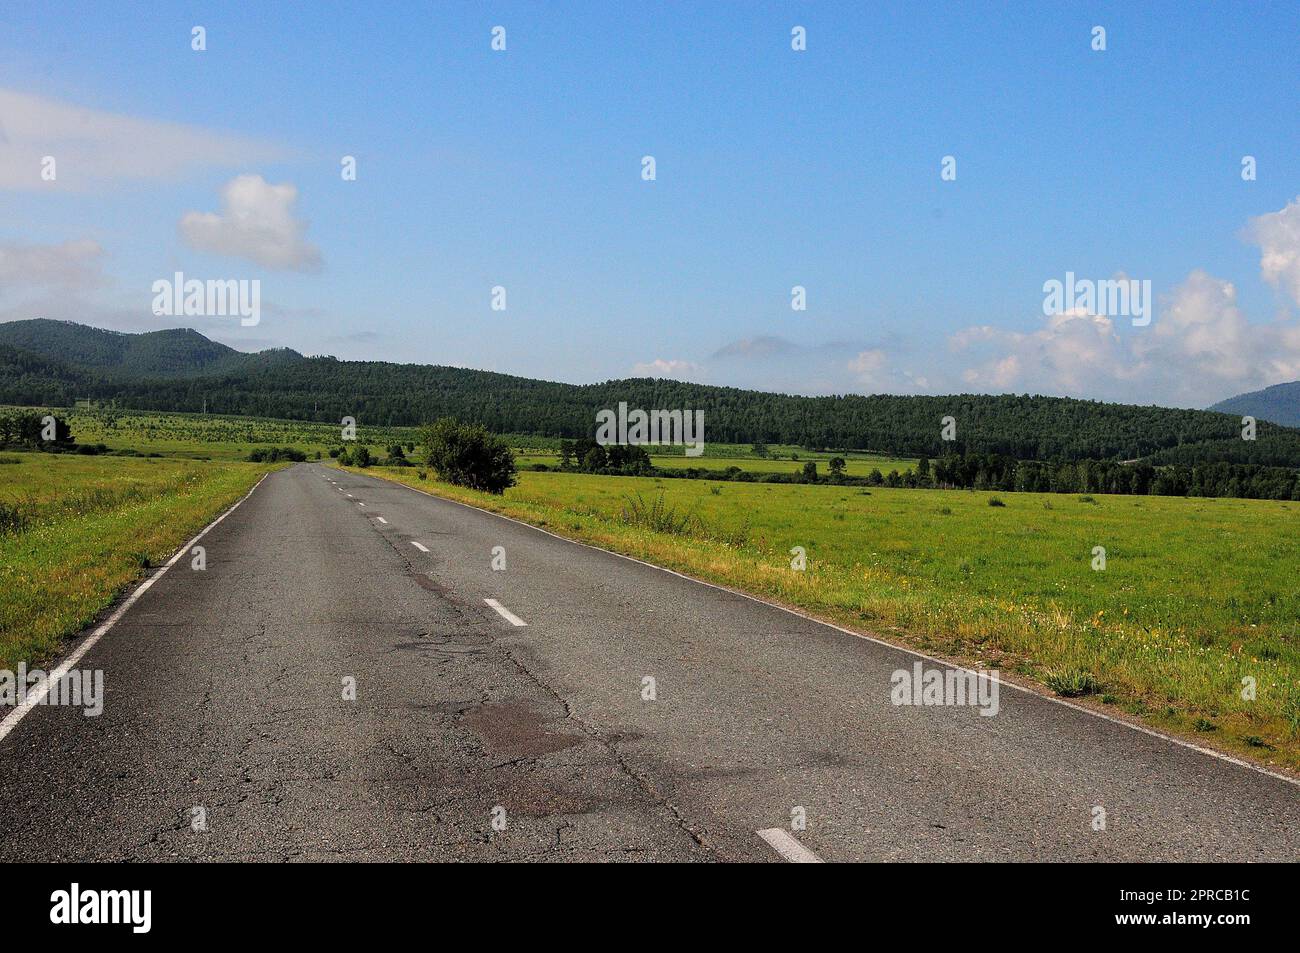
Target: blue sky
(775, 168)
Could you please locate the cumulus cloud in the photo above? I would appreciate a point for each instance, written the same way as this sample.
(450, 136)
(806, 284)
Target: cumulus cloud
(1278, 236)
(1203, 339)
(1072, 353)
(679, 370)
(92, 147)
(256, 222)
(870, 368)
(1200, 349)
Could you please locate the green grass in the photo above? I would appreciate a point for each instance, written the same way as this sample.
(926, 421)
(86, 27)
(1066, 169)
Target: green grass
(856, 464)
(1197, 594)
(88, 526)
(216, 437)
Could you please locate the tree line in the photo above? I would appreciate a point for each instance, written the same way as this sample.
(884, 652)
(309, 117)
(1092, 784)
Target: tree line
(973, 471)
(287, 386)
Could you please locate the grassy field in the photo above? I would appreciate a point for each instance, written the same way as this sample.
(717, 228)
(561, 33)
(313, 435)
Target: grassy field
(75, 530)
(211, 436)
(791, 461)
(1197, 594)
(216, 437)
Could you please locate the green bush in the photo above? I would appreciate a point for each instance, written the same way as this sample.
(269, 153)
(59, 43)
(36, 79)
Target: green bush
(276, 454)
(467, 455)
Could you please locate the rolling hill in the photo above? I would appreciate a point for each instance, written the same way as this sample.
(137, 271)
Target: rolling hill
(1279, 404)
(54, 363)
(178, 352)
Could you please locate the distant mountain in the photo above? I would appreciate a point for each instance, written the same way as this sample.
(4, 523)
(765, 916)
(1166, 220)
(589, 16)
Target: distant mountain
(58, 362)
(1279, 403)
(179, 352)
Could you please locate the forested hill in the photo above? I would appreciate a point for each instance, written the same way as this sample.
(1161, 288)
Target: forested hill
(1279, 403)
(176, 352)
(287, 385)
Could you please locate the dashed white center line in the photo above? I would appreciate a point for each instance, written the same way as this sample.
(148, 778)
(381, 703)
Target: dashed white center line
(420, 546)
(505, 613)
(382, 520)
(349, 496)
(359, 503)
(789, 848)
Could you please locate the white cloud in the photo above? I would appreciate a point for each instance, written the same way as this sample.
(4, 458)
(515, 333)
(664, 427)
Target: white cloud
(1278, 236)
(1203, 339)
(257, 223)
(92, 147)
(1071, 354)
(1199, 349)
(679, 370)
(870, 369)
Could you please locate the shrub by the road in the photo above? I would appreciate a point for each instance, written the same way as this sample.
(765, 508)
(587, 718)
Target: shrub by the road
(276, 454)
(467, 455)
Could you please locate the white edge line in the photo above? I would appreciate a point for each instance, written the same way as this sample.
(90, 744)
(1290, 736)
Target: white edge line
(14, 717)
(420, 546)
(789, 848)
(505, 613)
(1259, 769)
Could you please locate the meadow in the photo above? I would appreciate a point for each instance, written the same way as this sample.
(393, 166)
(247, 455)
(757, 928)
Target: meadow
(219, 437)
(1196, 594)
(778, 460)
(74, 531)
(212, 436)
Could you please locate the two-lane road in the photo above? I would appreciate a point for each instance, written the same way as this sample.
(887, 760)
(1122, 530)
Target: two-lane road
(351, 678)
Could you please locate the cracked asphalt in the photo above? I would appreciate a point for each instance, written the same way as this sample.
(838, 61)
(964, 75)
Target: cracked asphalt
(225, 702)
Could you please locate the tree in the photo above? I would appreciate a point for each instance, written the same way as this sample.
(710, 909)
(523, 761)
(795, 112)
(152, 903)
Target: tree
(759, 449)
(467, 455)
(837, 466)
(810, 471)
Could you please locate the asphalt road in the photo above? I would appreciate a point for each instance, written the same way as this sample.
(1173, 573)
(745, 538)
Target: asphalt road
(224, 692)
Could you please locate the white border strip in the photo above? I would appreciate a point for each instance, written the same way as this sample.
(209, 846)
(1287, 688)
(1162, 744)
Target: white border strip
(14, 717)
(1250, 766)
(789, 848)
(505, 613)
